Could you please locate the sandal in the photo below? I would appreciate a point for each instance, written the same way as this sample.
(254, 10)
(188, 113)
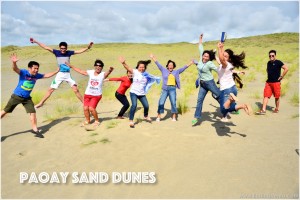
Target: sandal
(96, 123)
(148, 119)
(276, 110)
(84, 123)
(131, 124)
(261, 112)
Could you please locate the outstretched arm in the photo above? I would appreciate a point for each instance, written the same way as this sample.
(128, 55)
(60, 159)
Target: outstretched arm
(106, 74)
(14, 59)
(80, 71)
(123, 61)
(221, 54)
(153, 57)
(41, 45)
(84, 49)
(201, 49)
(48, 75)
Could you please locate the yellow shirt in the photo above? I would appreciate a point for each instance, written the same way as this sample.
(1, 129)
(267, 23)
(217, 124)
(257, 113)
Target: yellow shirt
(171, 80)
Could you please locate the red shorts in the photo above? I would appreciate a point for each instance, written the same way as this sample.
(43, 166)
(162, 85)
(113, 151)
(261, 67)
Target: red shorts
(91, 101)
(272, 88)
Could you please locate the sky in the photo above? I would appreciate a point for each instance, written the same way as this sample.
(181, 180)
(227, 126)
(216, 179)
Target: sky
(80, 22)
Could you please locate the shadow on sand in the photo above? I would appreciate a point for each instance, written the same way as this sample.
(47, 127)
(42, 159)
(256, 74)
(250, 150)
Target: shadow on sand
(44, 128)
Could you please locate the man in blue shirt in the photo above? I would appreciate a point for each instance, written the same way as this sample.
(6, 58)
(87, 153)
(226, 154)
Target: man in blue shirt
(62, 55)
(27, 80)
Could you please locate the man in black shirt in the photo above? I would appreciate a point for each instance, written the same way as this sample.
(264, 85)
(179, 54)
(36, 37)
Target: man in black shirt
(273, 82)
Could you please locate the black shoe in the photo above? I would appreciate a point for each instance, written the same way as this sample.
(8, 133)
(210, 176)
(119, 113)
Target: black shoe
(38, 133)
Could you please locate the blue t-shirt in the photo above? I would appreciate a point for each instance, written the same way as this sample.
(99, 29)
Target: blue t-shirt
(26, 83)
(62, 59)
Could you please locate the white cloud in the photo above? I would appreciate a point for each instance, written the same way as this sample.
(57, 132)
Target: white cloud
(151, 22)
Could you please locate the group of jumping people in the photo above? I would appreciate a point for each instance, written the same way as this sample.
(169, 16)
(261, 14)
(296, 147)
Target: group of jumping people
(140, 81)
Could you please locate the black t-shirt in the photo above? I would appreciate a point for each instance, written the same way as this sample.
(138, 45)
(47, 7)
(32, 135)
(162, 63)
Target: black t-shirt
(274, 71)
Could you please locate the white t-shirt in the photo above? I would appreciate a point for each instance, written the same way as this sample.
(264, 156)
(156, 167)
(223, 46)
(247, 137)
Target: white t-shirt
(225, 76)
(138, 84)
(95, 83)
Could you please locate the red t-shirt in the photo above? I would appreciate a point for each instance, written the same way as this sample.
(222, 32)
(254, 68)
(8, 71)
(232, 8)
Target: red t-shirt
(125, 84)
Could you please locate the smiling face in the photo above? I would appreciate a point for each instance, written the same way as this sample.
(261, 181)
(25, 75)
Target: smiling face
(33, 70)
(205, 57)
(63, 49)
(98, 68)
(272, 56)
(129, 74)
(170, 66)
(141, 68)
(226, 56)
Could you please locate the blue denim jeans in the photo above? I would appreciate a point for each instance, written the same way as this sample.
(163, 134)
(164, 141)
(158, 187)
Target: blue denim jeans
(134, 99)
(171, 92)
(206, 86)
(224, 96)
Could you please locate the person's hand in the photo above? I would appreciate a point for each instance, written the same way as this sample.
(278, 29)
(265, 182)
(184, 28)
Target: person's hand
(220, 45)
(151, 55)
(106, 80)
(111, 69)
(122, 59)
(90, 45)
(242, 72)
(280, 78)
(201, 36)
(14, 58)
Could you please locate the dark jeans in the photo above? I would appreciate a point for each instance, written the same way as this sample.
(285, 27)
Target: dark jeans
(206, 86)
(134, 99)
(124, 101)
(224, 96)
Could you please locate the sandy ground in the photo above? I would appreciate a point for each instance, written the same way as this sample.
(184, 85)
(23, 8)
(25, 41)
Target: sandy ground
(249, 157)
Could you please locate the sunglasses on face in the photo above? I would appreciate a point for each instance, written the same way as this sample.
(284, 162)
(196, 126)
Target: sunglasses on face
(271, 56)
(98, 65)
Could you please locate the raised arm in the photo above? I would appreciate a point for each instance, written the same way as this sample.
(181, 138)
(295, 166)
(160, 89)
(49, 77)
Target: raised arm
(160, 67)
(217, 57)
(14, 59)
(123, 61)
(41, 45)
(50, 74)
(80, 71)
(84, 49)
(221, 55)
(201, 49)
(106, 74)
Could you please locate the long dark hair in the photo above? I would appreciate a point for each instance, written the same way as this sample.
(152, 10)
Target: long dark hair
(145, 62)
(236, 60)
(211, 53)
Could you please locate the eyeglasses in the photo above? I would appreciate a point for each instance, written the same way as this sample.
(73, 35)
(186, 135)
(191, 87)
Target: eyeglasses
(63, 48)
(98, 65)
(271, 56)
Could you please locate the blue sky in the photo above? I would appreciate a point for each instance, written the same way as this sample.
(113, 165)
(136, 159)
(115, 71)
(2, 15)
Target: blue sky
(79, 22)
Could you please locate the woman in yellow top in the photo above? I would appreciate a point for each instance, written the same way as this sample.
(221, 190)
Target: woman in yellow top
(171, 81)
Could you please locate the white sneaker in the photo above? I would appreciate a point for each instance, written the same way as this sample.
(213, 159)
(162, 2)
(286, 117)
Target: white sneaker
(174, 119)
(158, 119)
(224, 119)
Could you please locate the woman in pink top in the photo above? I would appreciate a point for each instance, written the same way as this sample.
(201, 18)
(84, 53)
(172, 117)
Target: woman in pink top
(120, 93)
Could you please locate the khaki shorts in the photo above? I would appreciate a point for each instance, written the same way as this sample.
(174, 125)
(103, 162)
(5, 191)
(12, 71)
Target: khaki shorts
(16, 100)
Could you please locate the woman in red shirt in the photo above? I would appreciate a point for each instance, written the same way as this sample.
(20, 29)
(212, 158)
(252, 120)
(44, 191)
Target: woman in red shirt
(120, 93)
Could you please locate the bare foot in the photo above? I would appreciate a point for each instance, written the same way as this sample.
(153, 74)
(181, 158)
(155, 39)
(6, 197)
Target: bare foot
(248, 109)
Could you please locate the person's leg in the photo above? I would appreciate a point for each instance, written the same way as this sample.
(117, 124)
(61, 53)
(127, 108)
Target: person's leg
(161, 103)
(211, 86)
(172, 96)
(47, 95)
(33, 122)
(124, 101)
(77, 93)
(11, 105)
(201, 96)
(86, 103)
(92, 108)
(267, 94)
(144, 101)
(133, 98)
(277, 89)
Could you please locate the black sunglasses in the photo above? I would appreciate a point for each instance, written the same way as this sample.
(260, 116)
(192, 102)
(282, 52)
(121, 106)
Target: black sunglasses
(271, 56)
(98, 65)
